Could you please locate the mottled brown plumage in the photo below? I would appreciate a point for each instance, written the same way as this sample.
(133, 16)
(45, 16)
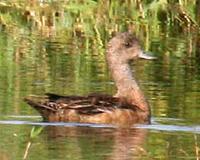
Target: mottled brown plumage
(127, 107)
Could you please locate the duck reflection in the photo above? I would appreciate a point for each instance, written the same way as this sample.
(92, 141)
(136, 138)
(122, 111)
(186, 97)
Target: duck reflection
(4, 155)
(96, 143)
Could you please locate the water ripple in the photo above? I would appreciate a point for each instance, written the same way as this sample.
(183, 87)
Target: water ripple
(156, 126)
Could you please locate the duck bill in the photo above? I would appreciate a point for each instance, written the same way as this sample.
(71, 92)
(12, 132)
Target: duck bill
(144, 55)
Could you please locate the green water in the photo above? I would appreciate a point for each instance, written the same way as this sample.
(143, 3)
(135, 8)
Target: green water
(65, 54)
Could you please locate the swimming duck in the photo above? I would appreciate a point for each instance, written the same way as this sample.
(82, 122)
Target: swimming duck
(128, 106)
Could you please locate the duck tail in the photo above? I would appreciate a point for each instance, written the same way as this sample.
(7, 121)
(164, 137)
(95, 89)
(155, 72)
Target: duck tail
(43, 109)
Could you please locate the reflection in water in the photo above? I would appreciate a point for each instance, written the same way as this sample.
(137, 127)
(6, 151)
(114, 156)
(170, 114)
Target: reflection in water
(88, 141)
(107, 143)
(4, 155)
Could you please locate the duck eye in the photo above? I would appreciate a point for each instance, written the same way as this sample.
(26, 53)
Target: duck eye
(127, 44)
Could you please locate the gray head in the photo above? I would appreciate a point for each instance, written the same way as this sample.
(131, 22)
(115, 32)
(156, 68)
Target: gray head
(125, 47)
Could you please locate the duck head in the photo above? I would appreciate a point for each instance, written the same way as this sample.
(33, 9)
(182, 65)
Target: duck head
(124, 47)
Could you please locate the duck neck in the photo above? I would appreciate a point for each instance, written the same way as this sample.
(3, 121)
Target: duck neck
(127, 86)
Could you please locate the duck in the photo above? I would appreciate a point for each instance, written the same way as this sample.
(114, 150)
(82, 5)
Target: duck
(127, 107)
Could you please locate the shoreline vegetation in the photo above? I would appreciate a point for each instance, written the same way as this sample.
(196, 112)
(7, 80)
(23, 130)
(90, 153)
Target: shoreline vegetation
(95, 17)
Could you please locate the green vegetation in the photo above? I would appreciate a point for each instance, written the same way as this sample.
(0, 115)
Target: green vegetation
(91, 17)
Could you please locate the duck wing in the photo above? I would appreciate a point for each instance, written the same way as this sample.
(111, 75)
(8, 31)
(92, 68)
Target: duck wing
(91, 104)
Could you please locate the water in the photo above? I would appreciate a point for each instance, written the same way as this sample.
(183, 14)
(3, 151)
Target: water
(89, 141)
(68, 58)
